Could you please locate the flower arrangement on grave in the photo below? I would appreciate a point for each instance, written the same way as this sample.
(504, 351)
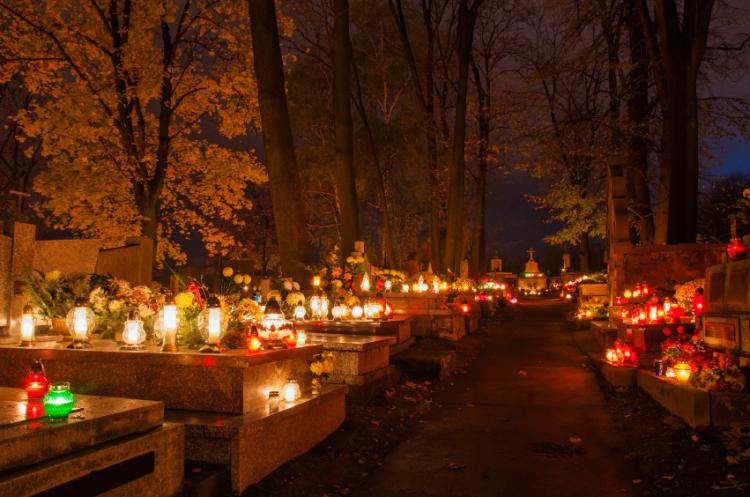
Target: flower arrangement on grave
(464, 285)
(592, 312)
(53, 293)
(234, 282)
(113, 300)
(387, 279)
(710, 371)
(321, 367)
(188, 309)
(684, 293)
(356, 265)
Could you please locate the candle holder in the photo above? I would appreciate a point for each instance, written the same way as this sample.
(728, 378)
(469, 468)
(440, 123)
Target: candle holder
(35, 383)
(212, 324)
(59, 401)
(292, 392)
(133, 333)
(81, 322)
(28, 327)
(165, 327)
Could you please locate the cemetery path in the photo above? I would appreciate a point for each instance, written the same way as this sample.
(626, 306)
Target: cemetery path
(527, 420)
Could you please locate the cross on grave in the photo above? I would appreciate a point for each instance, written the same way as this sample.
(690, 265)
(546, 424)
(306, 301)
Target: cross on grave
(531, 252)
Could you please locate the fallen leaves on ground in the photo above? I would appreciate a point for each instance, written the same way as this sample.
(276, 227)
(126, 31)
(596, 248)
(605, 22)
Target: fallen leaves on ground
(455, 466)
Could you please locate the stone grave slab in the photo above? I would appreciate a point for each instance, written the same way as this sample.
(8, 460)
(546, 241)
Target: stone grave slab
(118, 447)
(689, 403)
(399, 327)
(604, 334)
(254, 444)
(230, 382)
(24, 442)
(362, 362)
(620, 377)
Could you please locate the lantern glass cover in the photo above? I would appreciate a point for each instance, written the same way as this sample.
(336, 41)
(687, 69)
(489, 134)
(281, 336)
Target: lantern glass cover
(133, 334)
(292, 391)
(165, 327)
(212, 324)
(59, 401)
(357, 312)
(28, 325)
(81, 322)
(300, 312)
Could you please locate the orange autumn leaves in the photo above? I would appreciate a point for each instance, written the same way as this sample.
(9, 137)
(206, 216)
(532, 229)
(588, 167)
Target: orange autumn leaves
(126, 94)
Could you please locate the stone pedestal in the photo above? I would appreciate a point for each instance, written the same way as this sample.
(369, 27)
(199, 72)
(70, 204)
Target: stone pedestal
(620, 377)
(230, 382)
(256, 443)
(684, 401)
(115, 446)
(648, 337)
(604, 334)
(399, 328)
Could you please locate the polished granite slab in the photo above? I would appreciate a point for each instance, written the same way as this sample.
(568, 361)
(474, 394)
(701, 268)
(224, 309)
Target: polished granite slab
(227, 382)
(27, 436)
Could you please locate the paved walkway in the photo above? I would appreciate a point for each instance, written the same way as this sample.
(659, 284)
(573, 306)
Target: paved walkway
(528, 420)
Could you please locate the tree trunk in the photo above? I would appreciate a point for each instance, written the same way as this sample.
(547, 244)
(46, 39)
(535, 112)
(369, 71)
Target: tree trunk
(638, 120)
(476, 264)
(584, 253)
(677, 52)
(344, 137)
(278, 143)
(426, 101)
(454, 240)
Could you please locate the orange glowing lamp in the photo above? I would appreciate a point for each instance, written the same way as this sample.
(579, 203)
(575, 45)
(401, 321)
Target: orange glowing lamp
(254, 343)
(682, 372)
(290, 340)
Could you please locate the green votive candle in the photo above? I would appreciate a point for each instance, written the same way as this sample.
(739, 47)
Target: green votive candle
(59, 401)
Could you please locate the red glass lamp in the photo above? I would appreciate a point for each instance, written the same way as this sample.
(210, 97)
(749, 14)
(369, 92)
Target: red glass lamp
(35, 383)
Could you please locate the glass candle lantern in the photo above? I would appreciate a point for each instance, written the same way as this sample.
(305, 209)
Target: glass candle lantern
(165, 326)
(405, 288)
(316, 282)
(388, 285)
(682, 372)
(292, 392)
(300, 312)
(254, 343)
(133, 333)
(338, 312)
(59, 401)
(273, 319)
(81, 322)
(28, 326)
(365, 285)
(273, 401)
(35, 383)
(212, 324)
(357, 312)
(372, 310)
(301, 337)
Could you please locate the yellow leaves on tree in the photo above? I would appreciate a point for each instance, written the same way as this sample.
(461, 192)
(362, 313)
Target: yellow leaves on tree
(128, 94)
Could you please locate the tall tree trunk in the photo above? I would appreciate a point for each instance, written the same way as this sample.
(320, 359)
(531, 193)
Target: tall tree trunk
(638, 121)
(425, 97)
(344, 136)
(454, 240)
(278, 143)
(584, 253)
(677, 51)
(388, 249)
(484, 94)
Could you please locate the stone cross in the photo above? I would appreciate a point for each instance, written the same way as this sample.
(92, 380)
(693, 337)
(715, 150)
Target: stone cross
(531, 252)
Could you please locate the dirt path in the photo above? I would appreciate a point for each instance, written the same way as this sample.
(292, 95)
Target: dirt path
(527, 420)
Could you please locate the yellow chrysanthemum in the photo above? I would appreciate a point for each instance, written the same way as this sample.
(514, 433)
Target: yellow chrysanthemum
(184, 300)
(227, 272)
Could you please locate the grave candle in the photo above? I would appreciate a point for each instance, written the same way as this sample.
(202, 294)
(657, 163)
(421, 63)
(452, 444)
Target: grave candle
(36, 384)
(212, 326)
(365, 286)
(301, 338)
(133, 333)
(300, 312)
(59, 401)
(169, 326)
(80, 322)
(27, 326)
(254, 344)
(316, 282)
(291, 390)
(388, 285)
(683, 371)
(357, 312)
